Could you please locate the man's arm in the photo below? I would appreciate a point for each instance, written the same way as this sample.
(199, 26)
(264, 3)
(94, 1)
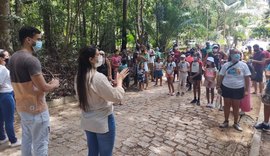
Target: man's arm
(41, 84)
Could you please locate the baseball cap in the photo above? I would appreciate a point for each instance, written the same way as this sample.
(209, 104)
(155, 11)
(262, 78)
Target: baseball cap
(211, 59)
(183, 56)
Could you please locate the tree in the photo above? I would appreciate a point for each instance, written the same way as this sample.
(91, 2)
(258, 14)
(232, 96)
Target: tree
(5, 36)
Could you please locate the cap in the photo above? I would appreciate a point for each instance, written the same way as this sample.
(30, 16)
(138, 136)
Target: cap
(101, 52)
(183, 56)
(215, 46)
(211, 59)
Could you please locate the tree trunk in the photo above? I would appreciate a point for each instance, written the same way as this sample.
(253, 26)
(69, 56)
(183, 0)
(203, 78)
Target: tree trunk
(16, 25)
(124, 28)
(50, 46)
(5, 25)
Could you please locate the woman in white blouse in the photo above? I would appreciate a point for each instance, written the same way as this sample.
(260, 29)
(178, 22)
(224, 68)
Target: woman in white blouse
(7, 104)
(96, 96)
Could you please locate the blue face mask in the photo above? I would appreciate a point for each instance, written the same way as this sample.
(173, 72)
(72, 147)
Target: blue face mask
(37, 46)
(235, 57)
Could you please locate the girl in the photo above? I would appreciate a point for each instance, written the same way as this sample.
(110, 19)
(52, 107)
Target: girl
(210, 76)
(141, 76)
(158, 71)
(196, 77)
(170, 66)
(183, 74)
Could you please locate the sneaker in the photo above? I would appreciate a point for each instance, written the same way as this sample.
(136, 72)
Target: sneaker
(237, 127)
(225, 124)
(241, 113)
(17, 143)
(193, 101)
(173, 94)
(182, 94)
(221, 108)
(3, 141)
(198, 103)
(208, 105)
(177, 94)
(189, 89)
(262, 126)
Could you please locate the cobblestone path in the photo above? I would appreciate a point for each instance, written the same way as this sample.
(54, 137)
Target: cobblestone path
(152, 123)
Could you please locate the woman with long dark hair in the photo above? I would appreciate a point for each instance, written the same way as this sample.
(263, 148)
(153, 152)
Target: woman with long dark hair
(96, 95)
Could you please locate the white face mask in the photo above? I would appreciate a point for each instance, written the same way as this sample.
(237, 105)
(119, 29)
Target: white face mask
(99, 62)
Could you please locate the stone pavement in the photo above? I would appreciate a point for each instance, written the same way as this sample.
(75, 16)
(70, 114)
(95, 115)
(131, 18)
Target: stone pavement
(153, 123)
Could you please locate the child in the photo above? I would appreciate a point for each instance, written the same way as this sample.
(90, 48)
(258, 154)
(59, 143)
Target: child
(121, 67)
(141, 76)
(183, 66)
(170, 66)
(158, 71)
(210, 76)
(196, 77)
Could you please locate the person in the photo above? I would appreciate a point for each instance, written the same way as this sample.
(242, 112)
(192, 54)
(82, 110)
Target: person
(135, 63)
(151, 62)
(189, 59)
(183, 66)
(233, 84)
(206, 50)
(7, 104)
(258, 64)
(115, 62)
(122, 67)
(266, 101)
(141, 76)
(158, 71)
(95, 95)
(105, 68)
(169, 68)
(196, 77)
(144, 57)
(30, 89)
(177, 54)
(210, 76)
(248, 54)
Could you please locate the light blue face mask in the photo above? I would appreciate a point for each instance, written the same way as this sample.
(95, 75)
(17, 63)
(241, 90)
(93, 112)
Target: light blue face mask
(37, 46)
(235, 57)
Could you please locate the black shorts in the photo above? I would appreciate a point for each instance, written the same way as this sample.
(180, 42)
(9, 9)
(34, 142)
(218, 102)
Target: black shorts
(196, 78)
(259, 76)
(236, 94)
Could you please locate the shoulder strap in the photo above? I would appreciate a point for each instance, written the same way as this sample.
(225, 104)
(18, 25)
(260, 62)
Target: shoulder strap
(231, 65)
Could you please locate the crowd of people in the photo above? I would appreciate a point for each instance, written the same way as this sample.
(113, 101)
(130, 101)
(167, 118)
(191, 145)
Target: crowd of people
(101, 80)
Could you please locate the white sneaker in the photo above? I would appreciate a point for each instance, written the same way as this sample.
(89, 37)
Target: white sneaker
(17, 143)
(209, 105)
(3, 141)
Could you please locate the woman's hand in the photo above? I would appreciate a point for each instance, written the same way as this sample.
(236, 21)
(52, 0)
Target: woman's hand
(122, 75)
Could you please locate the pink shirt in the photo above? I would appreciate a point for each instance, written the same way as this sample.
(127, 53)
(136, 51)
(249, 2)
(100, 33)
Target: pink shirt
(210, 72)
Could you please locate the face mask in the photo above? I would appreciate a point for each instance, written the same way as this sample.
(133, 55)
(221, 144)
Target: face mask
(195, 59)
(6, 60)
(208, 63)
(37, 46)
(215, 50)
(99, 62)
(235, 57)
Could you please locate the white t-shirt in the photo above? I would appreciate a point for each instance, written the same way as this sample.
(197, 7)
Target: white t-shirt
(151, 59)
(5, 83)
(183, 66)
(169, 67)
(158, 65)
(195, 67)
(234, 77)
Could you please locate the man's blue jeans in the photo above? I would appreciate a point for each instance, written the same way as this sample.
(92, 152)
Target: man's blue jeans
(101, 144)
(7, 108)
(35, 133)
